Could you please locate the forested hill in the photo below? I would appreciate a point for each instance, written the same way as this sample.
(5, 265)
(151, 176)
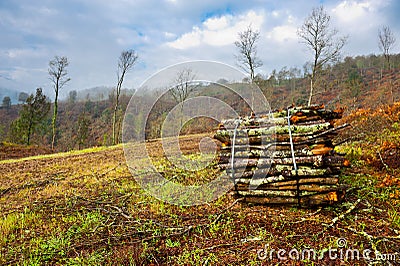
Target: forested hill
(355, 82)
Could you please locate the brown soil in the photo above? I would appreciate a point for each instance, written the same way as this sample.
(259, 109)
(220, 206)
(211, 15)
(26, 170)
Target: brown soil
(15, 151)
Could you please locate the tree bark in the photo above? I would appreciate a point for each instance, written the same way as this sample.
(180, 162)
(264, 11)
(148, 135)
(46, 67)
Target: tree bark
(314, 161)
(283, 170)
(116, 107)
(269, 132)
(278, 181)
(54, 120)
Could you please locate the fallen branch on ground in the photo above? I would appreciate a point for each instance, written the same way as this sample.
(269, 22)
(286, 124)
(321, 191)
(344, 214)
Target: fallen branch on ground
(341, 216)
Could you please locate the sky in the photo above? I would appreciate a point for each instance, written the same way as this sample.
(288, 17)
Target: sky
(92, 34)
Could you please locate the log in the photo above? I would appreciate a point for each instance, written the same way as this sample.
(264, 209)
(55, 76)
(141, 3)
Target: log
(277, 147)
(339, 161)
(266, 121)
(225, 156)
(259, 181)
(280, 193)
(225, 137)
(266, 131)
(287, 172)
(311, 111)
(267, 162)
(281, 181)
(268, 193)
(316, 161)
(297, 114)
(302, 188)
(272, 139)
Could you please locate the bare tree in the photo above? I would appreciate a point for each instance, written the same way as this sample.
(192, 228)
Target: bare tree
(386, 41)
(184, 87)
(316, 33)
(247, 51)
(58, 75)
(126, 61)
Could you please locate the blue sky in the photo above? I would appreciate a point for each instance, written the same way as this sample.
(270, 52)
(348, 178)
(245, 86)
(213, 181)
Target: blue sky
(92, 33)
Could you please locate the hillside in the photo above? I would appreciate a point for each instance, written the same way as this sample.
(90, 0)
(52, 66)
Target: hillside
(355, 82)
(86, 208)
(85, 120)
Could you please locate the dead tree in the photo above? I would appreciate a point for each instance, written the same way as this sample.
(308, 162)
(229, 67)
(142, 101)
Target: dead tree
(316, 33)
(386, 41)
(184, 87)
(247, 51)
(126, 61)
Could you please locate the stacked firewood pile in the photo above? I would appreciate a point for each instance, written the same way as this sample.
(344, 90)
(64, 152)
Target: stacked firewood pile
(283, 157)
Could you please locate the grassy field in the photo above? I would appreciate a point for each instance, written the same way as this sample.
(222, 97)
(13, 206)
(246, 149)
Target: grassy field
(85, 208)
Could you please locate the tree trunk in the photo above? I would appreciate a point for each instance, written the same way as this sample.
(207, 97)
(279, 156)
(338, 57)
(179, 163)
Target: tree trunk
(316, 161)
(307, 188)
(54, 120)
(29, 132)
(273, 182)
(300, 130)
(286, 171)
(114, 121)
(311, 91)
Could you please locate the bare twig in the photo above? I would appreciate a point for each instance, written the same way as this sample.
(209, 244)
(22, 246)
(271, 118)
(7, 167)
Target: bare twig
(384, 164)
(373, 207)
(120, 211)
(341, 216)
(154, 258)
(224, 210)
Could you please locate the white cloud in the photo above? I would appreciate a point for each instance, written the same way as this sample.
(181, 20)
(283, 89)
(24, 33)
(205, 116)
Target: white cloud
(283, 33)
(92, 34)
(358, 13)
(217, 23)
(218, 31)
(360, 20)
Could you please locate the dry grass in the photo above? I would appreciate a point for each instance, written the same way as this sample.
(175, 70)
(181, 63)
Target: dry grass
(85, 208)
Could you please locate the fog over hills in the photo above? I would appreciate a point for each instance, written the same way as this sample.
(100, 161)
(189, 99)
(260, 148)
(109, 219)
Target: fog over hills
(97, 93)
(13, 94)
